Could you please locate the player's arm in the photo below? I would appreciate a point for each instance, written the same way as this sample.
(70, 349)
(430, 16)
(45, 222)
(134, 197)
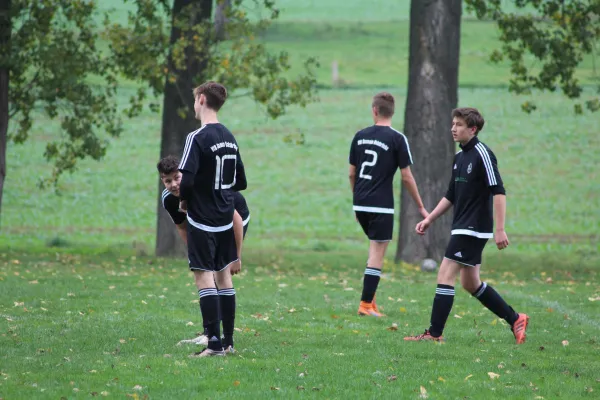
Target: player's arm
(182, 230)
(352, 176)
(238, 232)
(494, 181)
(240, 175)
(408, 181)
(188, 166)
(444, 205)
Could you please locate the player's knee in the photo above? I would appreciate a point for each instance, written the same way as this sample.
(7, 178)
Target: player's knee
(204, 279)
(223, 279)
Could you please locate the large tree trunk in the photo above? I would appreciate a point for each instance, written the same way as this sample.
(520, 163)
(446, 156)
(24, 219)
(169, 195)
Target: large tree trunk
(178, 111)
(5, 29)
(432, 94)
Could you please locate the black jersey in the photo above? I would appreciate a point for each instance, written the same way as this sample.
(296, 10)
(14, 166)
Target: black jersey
(475, 180)
(239, 202)
(170, 203)
(211, 166)
(377, 152)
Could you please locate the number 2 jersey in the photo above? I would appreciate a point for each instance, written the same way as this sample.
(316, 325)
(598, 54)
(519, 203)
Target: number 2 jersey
(377, 152)
(212, 167)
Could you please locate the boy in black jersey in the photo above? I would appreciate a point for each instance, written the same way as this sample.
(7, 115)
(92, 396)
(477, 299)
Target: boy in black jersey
(211, 168)
(376, 154)
(477, 195)
(171, 178)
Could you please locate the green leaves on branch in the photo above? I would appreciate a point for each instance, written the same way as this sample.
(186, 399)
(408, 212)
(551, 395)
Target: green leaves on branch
(56, 68)
(241, 62)
(59, 66)
(558, 34)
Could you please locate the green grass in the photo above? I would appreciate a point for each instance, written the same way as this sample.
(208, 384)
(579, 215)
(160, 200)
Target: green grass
(79, 325)
(85, 310)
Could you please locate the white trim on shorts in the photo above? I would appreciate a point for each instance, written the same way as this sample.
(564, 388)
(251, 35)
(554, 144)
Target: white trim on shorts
(377, 210)
(460, 262)
(210, 270)
(468, 232)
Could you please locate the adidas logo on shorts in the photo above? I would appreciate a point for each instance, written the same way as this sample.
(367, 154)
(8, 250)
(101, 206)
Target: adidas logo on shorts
(458, 254)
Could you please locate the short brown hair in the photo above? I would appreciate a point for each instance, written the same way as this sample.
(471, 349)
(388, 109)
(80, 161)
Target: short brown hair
(384, 104)
(168, 165)
(215, 94)
(472, 117)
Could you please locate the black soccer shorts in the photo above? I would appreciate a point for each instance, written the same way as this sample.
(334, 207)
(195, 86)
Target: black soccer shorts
(377, 226)
(465, 249)
(210, 251)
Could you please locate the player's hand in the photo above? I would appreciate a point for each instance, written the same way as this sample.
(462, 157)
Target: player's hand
(183, 206)
(501, 239)
(422, 226)
(423, 212)
(236, 267)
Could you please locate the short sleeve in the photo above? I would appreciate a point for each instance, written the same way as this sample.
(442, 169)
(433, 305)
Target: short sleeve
(352, 157)
(171, 204)
(403, 152)
(190, 159)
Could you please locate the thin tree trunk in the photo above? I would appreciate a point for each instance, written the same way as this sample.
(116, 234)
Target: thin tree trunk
(5, 30)
(223, 7)
(432, 94)
(178, 112)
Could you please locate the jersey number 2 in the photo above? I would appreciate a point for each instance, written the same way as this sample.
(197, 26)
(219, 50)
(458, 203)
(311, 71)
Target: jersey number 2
(368, 164)
(221, 171)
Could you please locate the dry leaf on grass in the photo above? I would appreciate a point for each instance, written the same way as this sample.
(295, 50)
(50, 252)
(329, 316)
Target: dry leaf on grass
(493, 375)
(394, 327)
(565, 342)
(468, 377)
(236, 383)
(423, 393)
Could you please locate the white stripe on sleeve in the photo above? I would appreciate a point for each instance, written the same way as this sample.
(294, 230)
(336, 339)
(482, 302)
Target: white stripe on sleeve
(487, 162)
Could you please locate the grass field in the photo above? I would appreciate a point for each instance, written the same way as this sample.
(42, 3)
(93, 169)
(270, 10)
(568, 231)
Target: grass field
(98, 315)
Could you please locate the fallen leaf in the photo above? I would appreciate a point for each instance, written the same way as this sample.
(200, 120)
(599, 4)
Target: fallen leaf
(111, 287)
(565, 342)
(493, 375)
(597, 298)
(291, 310)
(19, 304)
(122, 341)
(423, 393)
(392, 378)
(468, 376)
(274, 388)
(501, 365)
(334, 316)
(34, 282)
(301, 375)
(457, 316)
(137, 387)
(236, 383)
(144, 302)
(281, 285)
(394, 327)
(441, 379)
(189, 324)
(549, 309)
(402, 309)
(300, 387)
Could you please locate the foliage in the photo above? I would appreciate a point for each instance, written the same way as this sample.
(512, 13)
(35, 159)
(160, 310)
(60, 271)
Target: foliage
(53, 57)
(558, 34)
(241, 62)
(59, 66)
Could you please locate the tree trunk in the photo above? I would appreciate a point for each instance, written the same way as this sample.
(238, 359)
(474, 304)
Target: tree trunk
(178, 110)
(5, 30)
(221, 19)
(432, 94)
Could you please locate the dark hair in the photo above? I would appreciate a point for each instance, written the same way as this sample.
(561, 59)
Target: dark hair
(215, 94)
(168, 165)
(471, 116)
(384, 104)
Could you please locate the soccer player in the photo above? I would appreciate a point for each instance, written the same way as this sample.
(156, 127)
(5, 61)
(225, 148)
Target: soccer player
(477, 194)
(211, 166)
(171, 178)
(376, 154)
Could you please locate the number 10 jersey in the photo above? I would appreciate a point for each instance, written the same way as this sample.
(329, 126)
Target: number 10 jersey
(211, 154)
(377, 152)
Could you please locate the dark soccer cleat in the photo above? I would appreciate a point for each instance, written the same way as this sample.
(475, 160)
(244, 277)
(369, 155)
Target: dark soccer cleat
(424, 336)
(519, 328)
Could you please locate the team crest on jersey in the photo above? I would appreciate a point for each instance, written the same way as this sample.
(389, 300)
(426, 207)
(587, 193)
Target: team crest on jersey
(470, 168)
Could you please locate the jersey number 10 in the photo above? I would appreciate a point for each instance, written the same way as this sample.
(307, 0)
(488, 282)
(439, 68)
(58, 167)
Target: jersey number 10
(221, 171)
(370, 163)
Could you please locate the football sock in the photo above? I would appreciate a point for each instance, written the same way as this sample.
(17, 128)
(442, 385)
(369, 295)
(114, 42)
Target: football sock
(442, 304)
(227, 300)
(495, 303)
(209, 306)
(370, 283)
